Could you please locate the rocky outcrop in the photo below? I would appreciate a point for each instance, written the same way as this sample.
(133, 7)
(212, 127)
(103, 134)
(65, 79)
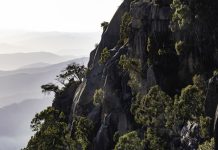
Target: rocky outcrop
(150, 21)
(190, 136)
(64, 99)
(94, 78)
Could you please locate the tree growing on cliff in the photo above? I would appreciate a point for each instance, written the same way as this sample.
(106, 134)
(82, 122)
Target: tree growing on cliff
(50, 87)
(105, 55)
(190, 103)
(124, 28)
(181, 17)
(98, 97)
(82, 132)
(129, 141)
(152, 109)
(207, 145)
(51, 131)
(134, 68)
(73, 73)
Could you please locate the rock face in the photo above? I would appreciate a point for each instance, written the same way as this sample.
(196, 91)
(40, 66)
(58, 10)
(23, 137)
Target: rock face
(190, 136)
(216, 129)
(212, 97)
(150, 21)
(63, 101)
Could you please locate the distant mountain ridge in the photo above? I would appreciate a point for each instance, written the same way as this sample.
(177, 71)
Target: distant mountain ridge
(25, 83)
(21, 99)
(16, 125)
(35, 65)
(18, 60)
(62, 43)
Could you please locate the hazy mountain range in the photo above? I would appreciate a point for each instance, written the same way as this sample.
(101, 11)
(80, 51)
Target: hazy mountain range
(18, 85)
(30, 60)
(15, 122)
(21, 97)
(61, 43)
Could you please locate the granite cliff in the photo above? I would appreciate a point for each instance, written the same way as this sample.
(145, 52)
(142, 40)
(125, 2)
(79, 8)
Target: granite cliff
(151, 50)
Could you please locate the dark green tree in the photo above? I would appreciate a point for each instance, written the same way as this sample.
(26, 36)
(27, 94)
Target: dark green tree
(152, 109)
(153, 141)
(82, 132)
(129, 141)
(51, 132)
(207, 145)
(50, 87)
(98, 97)
(105, 55)
(73, 73)
(190, 104)
(124, 28)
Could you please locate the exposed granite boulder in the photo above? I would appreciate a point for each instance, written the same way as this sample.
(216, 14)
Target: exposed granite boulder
(190, 137)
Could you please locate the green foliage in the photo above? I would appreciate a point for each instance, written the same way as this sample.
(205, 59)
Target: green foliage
(116, 136)
(134, 82)
(129, 141)
(124, 28)
(51, 131)
(82, 131)
(180, 47)
(73, 73)
(181, 17)
(130, 64)
(98, 97)
(204, 123)
(105, 55)
(133, 67)
(208, 145)
(153, 141)
(152, 109)
(124, 62)
(190, 103)
(50, 87)
(189, 106)
(199, 82)
(163, 116)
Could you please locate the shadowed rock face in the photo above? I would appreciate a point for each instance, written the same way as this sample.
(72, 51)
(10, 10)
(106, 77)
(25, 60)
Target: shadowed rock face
(212, 97)
(211, 107)
(150, 19)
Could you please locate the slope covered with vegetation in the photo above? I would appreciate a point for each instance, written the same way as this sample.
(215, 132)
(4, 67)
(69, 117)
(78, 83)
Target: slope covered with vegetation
(151, 83)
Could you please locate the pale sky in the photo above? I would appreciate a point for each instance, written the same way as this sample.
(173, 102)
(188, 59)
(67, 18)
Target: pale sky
(50, 25)
(56, 15)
